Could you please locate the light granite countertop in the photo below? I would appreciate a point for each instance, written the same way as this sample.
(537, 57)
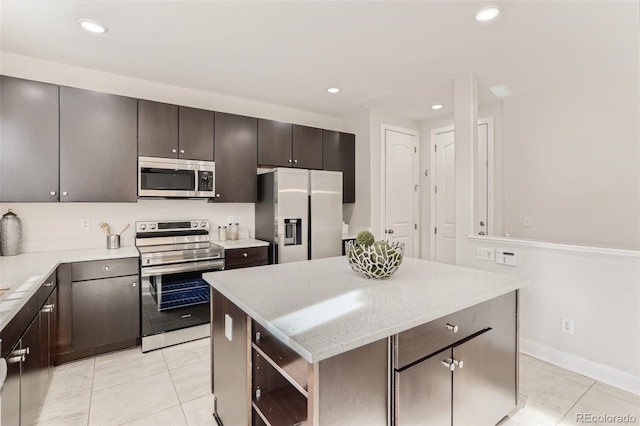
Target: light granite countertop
(321, 308)
(23, 274)
(241, 243)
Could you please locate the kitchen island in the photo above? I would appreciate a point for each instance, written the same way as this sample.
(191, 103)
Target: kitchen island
(311, 342)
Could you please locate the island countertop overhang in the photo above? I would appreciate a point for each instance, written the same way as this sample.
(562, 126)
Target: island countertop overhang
(321, 308)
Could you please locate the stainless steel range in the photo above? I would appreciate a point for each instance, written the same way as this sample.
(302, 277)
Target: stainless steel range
(175, 299)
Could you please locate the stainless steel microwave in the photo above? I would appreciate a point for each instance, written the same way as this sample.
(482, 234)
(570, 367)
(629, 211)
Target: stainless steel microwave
(172, 177)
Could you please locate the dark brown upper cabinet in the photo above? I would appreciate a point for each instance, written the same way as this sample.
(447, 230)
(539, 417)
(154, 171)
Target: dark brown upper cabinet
(339, 154)
(289, 145)
(195, 134)
(172, 131)
(157, 129)
(29, 141)
(275, 143)
(236, 155)
(98, 146)
(307, 147)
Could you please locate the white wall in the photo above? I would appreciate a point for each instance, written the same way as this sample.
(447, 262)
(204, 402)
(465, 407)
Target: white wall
(572, 162)
(600, 291)
(52, 226)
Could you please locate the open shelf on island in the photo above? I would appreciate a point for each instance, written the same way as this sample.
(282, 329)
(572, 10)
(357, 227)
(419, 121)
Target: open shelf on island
(283, 359)
(281, 407)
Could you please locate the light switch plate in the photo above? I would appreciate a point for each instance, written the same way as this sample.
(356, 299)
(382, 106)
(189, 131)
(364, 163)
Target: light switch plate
(484, 253)
(228, 327)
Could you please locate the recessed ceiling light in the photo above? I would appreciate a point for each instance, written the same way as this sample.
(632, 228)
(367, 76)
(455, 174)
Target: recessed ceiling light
(487, 13)
(333, 90)
(93, 26)
(437, 106)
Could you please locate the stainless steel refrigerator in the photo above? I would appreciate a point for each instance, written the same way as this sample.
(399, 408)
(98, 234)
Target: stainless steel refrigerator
(300, 213)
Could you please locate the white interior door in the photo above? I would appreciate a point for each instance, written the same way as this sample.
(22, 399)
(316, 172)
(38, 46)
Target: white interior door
(400, 188)
(445, 198)
(443, 212)
(481, 217)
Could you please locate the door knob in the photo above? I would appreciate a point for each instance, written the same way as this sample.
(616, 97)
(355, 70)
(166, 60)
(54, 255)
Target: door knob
(390, 231)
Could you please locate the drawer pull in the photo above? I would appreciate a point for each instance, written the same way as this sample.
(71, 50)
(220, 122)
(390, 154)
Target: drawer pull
(449, 364)
(186, 316)
(134, 284)
(48, 308)
(106, 268)
(19, 352)
(452, 327)
(457, 362)
(16, 359)
(245, 255)
(49, 284)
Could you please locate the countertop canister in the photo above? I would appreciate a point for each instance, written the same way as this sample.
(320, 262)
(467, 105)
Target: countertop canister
(10, 234)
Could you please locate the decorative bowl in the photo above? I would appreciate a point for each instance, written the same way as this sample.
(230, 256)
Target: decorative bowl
(377, 261)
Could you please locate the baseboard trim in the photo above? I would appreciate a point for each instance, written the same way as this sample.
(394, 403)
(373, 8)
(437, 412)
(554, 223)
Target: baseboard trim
(601, 372)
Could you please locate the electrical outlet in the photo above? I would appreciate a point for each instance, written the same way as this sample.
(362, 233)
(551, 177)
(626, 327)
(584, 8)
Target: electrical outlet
(84, 224)
(567, 325)
(230, 219)
(528, 221)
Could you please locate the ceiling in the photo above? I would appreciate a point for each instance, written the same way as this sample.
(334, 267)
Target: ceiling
(397, 56)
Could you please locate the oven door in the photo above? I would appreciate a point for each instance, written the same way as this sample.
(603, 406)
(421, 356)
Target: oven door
(175, 297)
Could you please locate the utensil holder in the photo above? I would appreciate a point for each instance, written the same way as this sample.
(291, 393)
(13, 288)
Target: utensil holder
(113, 242)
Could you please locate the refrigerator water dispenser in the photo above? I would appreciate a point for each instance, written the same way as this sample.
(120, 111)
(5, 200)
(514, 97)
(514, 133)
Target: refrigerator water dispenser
(292, 232)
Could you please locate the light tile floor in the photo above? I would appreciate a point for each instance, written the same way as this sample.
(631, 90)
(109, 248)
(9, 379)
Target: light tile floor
(172, 387)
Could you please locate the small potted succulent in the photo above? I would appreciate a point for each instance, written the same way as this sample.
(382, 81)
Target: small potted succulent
(374, 259)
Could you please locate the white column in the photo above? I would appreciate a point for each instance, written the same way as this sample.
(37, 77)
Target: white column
(466, 134)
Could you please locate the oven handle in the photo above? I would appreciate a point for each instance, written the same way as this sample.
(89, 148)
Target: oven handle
(184, 267)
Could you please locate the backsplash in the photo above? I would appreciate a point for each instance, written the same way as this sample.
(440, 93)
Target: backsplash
(58, 226)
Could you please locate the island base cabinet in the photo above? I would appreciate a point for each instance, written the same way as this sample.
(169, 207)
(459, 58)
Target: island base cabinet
(423, 393)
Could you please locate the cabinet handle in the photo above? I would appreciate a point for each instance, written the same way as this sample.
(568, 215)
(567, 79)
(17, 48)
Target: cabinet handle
(65, 193)
(182, 151)
(289, 160)
(295, 161)
(458, 362)
(450, 365)
(244, 254)
(53, 192)
(217, 195)
(19, 352)
(134, 284)
(48, 308)
(16, 359)
(49, 284)
(258, 336)
(174, 151)
(452, 327)
(106, 268)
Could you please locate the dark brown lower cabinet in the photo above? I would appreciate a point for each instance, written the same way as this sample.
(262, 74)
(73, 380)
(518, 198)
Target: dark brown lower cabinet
(100, 312)
(105, 311)
(246, 257)
(29, 364)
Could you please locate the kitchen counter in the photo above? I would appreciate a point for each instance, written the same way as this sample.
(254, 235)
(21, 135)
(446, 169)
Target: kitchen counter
(23, 274)
(241, 243)
(321, 308)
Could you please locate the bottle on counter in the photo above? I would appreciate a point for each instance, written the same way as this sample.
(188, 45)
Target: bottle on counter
(10, 234)
(234, 231)
(222, 233)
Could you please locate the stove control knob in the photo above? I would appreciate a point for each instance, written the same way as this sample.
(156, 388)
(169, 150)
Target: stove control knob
(203, 224)
(152, 226)
(194, 224)
(143, 227)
